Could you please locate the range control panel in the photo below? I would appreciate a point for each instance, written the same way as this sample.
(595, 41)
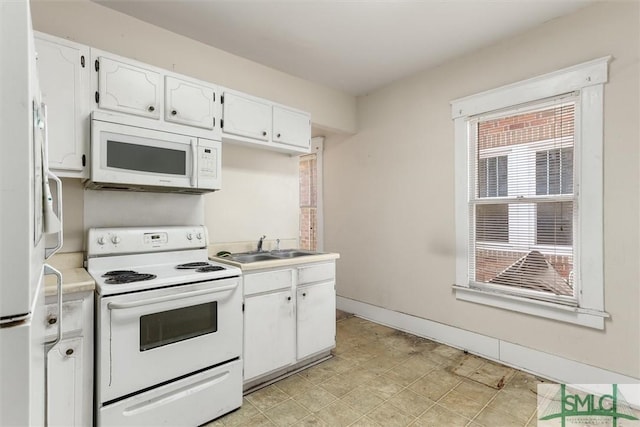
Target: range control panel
(132, 240)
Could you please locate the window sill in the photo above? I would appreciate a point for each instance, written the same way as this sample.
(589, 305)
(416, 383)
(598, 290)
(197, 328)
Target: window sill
(579, 316)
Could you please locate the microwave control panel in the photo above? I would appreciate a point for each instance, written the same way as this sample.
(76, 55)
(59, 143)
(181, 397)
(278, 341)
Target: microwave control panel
(208, 162)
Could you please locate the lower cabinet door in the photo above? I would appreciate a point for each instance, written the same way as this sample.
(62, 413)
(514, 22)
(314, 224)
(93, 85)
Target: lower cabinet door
(316, 317)
(269, 337)
(64, 383)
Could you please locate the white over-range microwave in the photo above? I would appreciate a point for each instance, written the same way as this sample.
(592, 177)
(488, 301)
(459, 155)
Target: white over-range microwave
(125, 157)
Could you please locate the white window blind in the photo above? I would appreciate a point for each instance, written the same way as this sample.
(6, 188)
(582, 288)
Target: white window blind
(522, 201)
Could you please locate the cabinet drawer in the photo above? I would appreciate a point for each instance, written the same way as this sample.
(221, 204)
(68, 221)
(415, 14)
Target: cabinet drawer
(71, 318)
(316, 273)
(268, 281)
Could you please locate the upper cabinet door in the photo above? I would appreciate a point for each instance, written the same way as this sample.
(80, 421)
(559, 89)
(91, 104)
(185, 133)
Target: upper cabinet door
(246, 116)
(189, 103)
(128, 88)
(291, 127)
(64, 81)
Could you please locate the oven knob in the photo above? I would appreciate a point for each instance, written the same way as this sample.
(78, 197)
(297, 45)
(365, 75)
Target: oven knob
(115, 240)
(101, 240)
(189, 236)
(199, 236)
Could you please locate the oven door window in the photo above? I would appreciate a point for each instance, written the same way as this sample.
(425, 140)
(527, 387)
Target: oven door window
(167, 327)
(144, 158)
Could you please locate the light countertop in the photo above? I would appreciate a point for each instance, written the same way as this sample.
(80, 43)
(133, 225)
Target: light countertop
(74, 277)
(275, 263)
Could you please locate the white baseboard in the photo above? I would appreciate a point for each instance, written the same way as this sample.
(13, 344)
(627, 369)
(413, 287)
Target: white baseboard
(545, 365)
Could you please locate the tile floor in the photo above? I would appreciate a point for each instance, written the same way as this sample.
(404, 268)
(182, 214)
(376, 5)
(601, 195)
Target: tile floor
(383, 377)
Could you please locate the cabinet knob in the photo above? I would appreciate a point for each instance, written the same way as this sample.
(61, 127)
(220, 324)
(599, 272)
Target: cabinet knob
(52, 320)
(288, 298)
(69, 352)
(174, 112)
(151, 108)
(304, 294)
(278, 135)
(264, 133)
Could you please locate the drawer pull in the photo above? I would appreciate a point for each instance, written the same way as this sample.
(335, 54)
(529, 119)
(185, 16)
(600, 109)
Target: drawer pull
(69, 352)
(151, 108)
(52, 320)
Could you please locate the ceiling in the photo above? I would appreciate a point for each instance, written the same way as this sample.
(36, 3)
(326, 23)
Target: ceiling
(355, 46)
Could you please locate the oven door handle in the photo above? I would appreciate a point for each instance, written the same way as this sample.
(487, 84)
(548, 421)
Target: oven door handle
(116, 306)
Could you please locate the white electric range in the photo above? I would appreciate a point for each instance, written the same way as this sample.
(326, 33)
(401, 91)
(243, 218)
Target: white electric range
(168, 327)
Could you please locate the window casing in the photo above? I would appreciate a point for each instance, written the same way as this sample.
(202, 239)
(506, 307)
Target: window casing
(528, 207)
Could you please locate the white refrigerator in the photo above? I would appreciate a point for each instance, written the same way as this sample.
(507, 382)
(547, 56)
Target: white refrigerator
(26, 216)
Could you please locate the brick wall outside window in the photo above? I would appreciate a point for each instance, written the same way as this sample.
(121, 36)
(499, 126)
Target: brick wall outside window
(308, 202)
(521, 129)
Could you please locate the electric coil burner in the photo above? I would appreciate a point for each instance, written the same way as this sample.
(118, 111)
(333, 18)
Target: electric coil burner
(160, 300)
(192, 265)
(129, 277)
(209, 268)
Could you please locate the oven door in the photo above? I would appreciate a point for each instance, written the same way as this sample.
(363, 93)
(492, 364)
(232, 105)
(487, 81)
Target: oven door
(151, 337)
(133, 156)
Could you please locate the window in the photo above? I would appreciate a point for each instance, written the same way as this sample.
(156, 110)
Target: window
(308, 202)
(525, 240)
(310, 185)
(492, 176)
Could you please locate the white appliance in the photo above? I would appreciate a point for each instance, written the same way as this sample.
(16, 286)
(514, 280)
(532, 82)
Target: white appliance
(26, 215)
(125, 157)
(168, 327)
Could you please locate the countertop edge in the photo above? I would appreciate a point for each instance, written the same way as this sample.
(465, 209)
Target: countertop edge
(74, 280)
(263, 265)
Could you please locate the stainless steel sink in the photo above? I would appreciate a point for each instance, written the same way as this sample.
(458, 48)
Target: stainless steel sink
(248, 257)
(291, 253)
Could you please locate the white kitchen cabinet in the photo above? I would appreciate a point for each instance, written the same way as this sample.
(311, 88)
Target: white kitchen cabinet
(316, 318)
(128, 87)
(63, 68)
(291, 127)
(261, 123)
(246, 116)
(283, 333)
(269, 333)
(189, 103)
(65, 375)
(70, 361)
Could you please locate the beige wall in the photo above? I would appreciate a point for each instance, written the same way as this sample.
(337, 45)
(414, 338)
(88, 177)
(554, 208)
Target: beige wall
(260, 188)
(389, 190)
(259, 196)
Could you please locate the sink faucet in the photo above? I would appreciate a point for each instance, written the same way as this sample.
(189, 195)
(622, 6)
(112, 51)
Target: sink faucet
(259, 249)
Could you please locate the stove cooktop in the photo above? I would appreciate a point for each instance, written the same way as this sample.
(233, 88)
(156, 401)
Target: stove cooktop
(132, 259)
(131, 273)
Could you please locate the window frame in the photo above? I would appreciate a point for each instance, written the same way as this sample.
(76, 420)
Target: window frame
(587, 81)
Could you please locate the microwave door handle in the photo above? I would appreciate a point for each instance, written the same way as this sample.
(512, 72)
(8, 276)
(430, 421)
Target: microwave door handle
(116, 306)
(194, 163)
